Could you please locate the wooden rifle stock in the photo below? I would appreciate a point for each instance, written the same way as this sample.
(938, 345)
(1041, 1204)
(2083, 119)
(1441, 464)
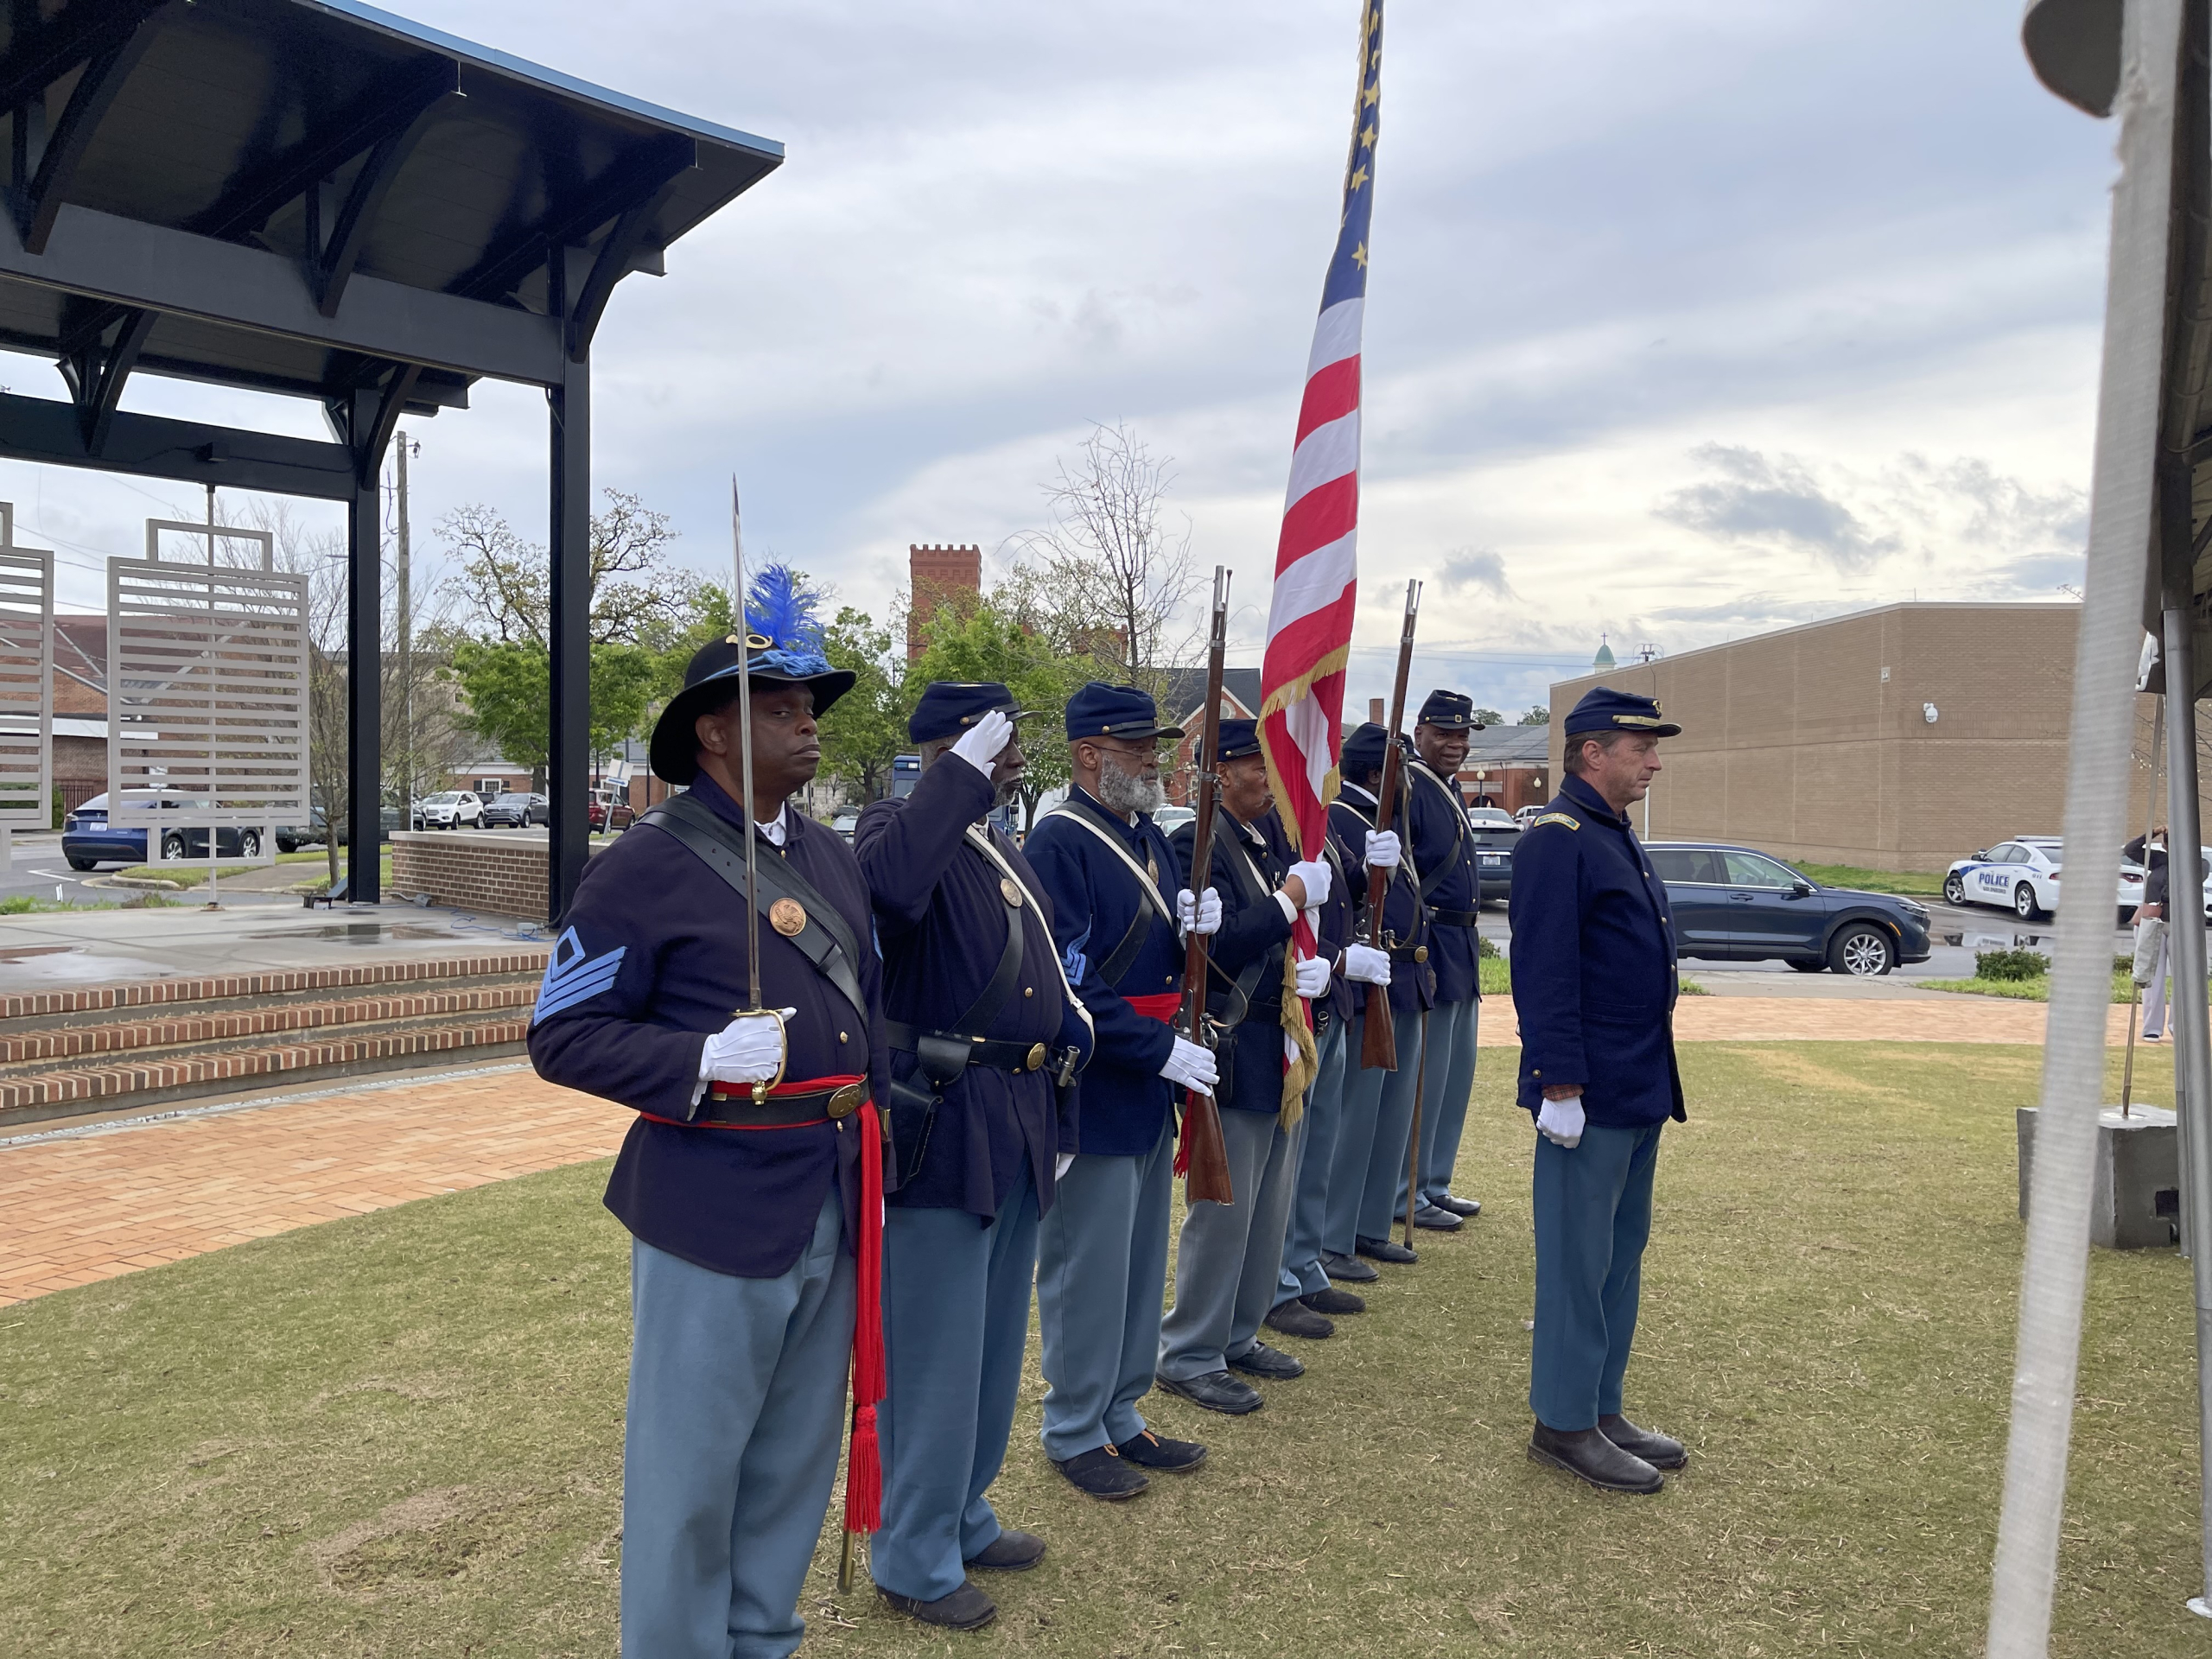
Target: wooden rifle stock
(1378, 1037)
(1205, 1154)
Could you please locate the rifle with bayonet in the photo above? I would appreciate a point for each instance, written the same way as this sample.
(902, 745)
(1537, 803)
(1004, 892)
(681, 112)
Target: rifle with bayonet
(1378, 1038)
(1203, 1155)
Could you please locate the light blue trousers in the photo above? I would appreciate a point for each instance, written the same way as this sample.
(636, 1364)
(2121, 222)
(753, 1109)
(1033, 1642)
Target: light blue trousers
(737, 1404)
(1229, 1255)
(955, 1319)
(1449, 1081)
(1593, 1218)
(1376, 1194)
(1101, 1271)
(1317, 1150)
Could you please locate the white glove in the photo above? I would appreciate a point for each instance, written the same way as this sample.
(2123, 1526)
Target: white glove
(1561, 1121)
(1201, 914)
(1383, 848)
(1191, 1065)
(1315, 875)
(980, 744)
(750, 1049)
(1060, 1165)
(1366, 964)
(1312, 977)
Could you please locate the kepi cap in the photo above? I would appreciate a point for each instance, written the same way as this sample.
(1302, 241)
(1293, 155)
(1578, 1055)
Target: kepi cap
(1605, 709)
(1451, 711)
(948, 708)
(1239, 738)
(1122, 711)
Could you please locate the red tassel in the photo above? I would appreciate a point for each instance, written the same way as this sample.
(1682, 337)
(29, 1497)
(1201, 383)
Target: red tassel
(864, 1463)
(1183, 1139)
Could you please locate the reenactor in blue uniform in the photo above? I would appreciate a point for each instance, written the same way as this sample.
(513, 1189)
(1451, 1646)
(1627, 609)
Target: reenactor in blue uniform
(1229, 1254)
(744, 1213)
(1594, 986)
(1443, 850)
(985, 1038)
(1306, 1303)
(1368, 1167)
(1102, 1266)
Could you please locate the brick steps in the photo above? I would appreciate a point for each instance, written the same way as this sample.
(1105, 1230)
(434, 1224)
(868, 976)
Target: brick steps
(90, 1050)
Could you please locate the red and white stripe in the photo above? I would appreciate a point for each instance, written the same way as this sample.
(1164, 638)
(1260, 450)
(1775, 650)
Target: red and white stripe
(1316, 584)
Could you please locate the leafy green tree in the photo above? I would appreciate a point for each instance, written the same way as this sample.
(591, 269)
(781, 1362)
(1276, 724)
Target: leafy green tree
(1489, 718)
(1538, 715)
(867, 729)
(990, 642)
(509, 688)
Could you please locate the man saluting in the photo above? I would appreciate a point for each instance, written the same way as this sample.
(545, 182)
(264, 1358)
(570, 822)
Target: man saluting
(740, 1181)
(1593, 984)
(985, 1037)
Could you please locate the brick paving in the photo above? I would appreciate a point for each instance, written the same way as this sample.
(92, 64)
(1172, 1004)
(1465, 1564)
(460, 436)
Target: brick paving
(93, 1207)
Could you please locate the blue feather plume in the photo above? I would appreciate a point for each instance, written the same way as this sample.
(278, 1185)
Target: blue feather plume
(777, 606)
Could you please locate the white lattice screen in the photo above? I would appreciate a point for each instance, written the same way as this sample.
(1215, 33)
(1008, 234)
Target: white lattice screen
(26, 686)
(207, 677)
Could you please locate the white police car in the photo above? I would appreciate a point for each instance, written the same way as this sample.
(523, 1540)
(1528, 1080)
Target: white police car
(2022, 875)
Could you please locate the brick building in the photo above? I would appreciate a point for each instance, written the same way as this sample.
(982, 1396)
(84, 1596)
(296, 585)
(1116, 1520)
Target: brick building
(1897, 739)
(936, 576)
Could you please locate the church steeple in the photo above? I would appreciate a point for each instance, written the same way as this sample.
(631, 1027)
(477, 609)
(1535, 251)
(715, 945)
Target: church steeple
(1603, 659)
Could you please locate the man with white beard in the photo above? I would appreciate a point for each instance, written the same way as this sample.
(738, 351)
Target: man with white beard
(1101, 1268)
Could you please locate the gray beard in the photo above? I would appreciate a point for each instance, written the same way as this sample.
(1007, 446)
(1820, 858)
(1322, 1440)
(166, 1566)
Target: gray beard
(1127, 792)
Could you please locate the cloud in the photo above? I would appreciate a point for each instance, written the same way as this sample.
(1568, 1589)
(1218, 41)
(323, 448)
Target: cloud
(1475, 567)
(1772, 501)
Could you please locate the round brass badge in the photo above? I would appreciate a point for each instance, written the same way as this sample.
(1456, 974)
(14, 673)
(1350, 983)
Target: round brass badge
(1012, 889)
(788, 918)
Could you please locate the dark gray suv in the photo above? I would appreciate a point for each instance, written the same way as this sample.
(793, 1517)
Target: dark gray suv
(1736, 904)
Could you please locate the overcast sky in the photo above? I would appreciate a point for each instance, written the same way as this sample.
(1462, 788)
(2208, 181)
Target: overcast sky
(1685, 320)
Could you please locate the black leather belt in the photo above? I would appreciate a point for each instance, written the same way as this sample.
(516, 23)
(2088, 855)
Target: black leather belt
(1456, 917)
(732, 1104)
(1408, 953)
(1003, 1056)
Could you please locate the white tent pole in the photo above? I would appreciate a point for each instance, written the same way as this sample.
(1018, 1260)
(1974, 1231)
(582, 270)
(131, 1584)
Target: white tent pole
(2121, 518)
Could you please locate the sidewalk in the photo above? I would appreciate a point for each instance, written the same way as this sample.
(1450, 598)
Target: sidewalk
(79, 1205)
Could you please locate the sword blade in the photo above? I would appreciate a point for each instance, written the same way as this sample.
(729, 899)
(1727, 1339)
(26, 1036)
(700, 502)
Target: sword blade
(745, 760)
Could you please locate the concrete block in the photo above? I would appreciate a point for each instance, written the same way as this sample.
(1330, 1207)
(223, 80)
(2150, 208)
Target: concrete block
(2135, 1182)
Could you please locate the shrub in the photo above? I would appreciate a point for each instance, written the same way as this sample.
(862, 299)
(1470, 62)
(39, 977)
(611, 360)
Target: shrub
(1485, 950)
(2011, 964)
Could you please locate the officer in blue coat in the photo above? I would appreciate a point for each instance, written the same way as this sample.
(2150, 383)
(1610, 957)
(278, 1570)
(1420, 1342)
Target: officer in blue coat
(1102, 1267)
(986, 1037)
(1229, 1254)
(743, 1213)
(1593, 984)
(1368, 1167)
(1443, 850)
(1306, 1303)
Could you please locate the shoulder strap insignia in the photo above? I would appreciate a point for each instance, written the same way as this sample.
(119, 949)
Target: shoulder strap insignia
(1556, 818)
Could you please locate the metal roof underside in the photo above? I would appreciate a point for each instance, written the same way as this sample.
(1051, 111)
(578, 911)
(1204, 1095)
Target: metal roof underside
(314, 197)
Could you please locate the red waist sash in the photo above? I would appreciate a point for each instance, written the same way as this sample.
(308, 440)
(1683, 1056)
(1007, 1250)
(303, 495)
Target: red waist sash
(1163, 1007)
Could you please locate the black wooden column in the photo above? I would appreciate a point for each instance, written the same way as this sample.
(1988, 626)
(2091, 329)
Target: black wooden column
(570, 538)
(364, 670)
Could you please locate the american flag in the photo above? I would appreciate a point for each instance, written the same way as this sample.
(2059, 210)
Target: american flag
(1317, 565)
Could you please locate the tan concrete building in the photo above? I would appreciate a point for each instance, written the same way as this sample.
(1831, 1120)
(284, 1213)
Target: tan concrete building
(1895, 739)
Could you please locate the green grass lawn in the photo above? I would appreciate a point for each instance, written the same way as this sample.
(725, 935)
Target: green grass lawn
(2036, 989)
(401, 1435)
(1918, 884)
(193, 875)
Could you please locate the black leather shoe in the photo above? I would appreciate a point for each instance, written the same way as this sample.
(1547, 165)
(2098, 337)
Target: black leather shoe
(1294, 1318)
(1260, 1360)
(1334, 1302)
(1589, 1455)
(1102, 1473)
(1436, 1220)
(1660, 1451)
(1386, 1250)
(1348, 1269)
(1175, 1456)
(965, 1609)
(1010, 1552)
(1216, 1391)
(1468, 1207)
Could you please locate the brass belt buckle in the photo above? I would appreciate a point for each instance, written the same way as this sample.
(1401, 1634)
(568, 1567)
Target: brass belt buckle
(1035, 1060)
(1420, 953)
(847, 1101)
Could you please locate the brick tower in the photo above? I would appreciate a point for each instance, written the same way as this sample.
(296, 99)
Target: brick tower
(938, 576)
